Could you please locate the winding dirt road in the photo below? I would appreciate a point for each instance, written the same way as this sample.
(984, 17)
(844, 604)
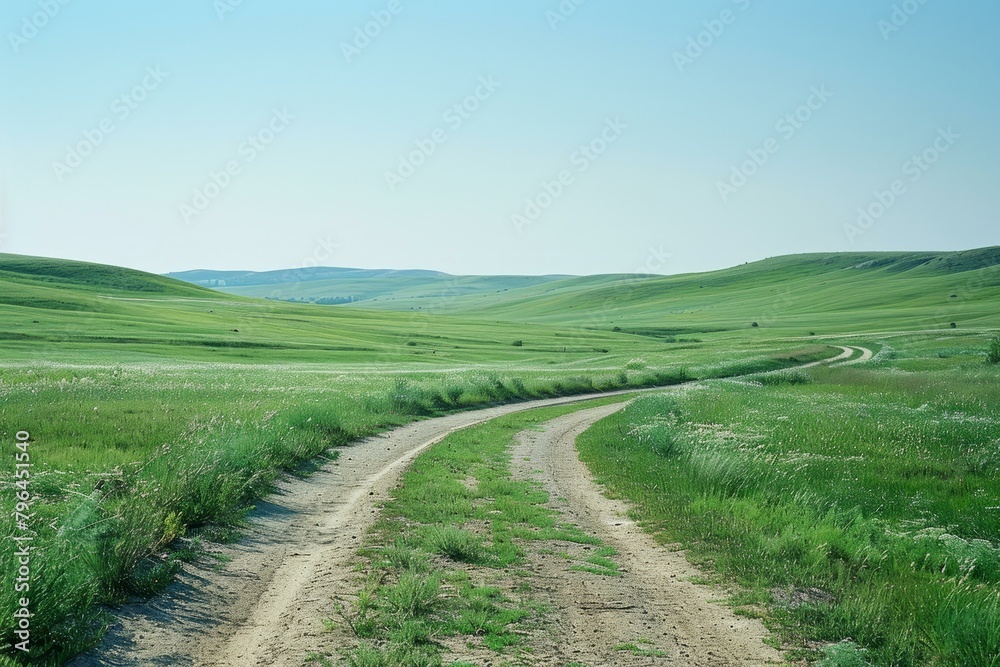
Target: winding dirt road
(845, 357)
(266, 604)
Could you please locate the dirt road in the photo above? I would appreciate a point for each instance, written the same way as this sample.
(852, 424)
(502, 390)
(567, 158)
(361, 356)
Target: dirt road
(266, 605)
(650, 615)
(845, 357)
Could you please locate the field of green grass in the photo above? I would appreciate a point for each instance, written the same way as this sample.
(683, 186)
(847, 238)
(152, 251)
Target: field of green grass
(857, 507)
(159, 411)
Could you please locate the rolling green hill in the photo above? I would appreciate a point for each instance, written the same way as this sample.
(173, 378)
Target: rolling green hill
(795, 295)
(597, 319)
(60, 310)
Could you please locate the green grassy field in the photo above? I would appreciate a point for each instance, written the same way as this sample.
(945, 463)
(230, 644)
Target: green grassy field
(852, 503)
(159, 409)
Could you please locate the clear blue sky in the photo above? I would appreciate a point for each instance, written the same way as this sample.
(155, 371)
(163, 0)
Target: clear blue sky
(668, 125)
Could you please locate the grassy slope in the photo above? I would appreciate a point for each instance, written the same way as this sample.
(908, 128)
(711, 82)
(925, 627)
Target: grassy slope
(794, 295)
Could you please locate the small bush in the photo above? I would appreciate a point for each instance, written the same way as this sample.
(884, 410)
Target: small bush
(843, 654)
(777, 378)
(415, 595)
(518, 343)
(993, 354)
(401, 556)
(457, 544)
(755, 325)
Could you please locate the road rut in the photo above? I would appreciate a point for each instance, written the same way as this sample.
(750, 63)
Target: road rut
(653, 606)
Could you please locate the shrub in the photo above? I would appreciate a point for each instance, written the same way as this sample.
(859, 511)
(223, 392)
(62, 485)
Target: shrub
(413, 596)
(457, 544)
(518, 343)
(755, 325)
(844, 654)
(777, 378)
(993, 354)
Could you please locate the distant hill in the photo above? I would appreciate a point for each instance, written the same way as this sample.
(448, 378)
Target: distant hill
(67, 311)
(345, 285)
(477, 317)
(808, 293)
(821, 292)
(231, 279)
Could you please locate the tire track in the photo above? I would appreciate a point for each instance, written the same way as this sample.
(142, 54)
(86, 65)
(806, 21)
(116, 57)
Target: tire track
(653, 606)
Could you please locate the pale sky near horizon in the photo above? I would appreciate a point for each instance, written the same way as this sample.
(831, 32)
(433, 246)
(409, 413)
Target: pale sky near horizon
(573, 136)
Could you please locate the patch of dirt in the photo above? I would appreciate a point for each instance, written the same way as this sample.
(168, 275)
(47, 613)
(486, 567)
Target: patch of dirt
(652, 614)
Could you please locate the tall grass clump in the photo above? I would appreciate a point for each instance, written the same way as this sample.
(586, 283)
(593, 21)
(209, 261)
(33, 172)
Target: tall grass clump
(993, 352)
